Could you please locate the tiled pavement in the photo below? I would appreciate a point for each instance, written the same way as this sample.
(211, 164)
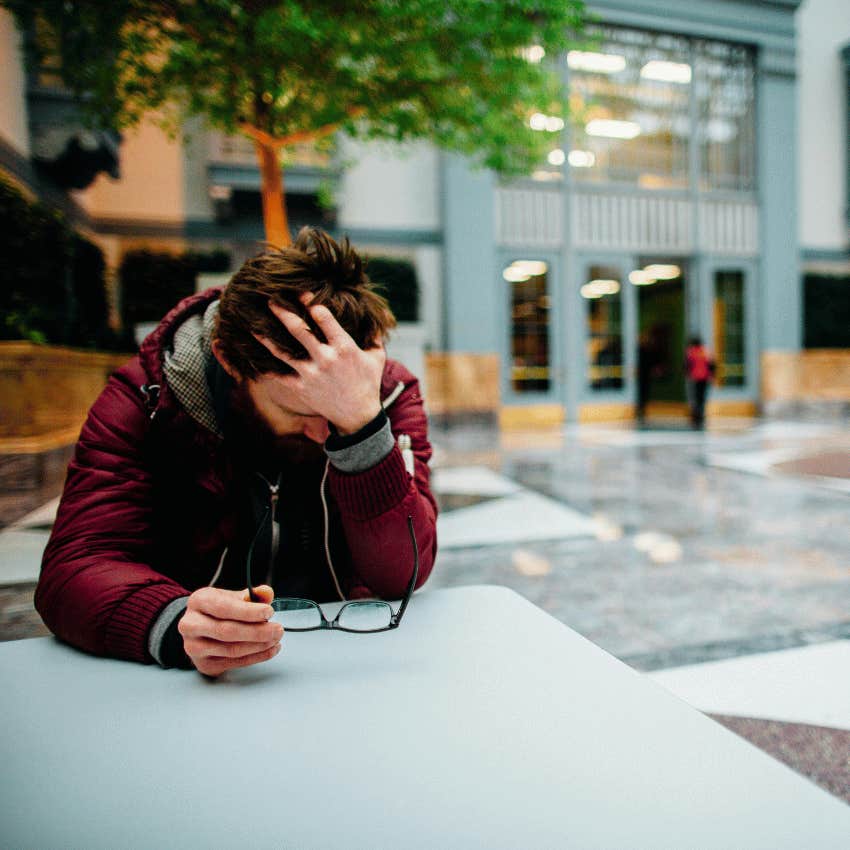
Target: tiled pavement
(668, 548)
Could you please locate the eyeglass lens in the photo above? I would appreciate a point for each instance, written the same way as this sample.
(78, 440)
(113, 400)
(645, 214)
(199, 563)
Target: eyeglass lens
(362, 616)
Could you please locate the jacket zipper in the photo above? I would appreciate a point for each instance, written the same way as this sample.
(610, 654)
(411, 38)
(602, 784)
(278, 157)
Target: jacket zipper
(274, 496)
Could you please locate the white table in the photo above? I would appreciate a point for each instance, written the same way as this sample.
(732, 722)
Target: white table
(481, 722)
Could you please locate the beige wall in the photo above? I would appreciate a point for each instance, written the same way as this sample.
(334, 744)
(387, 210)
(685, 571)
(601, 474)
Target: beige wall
(13, 107)
(151, 183)
(813, 375)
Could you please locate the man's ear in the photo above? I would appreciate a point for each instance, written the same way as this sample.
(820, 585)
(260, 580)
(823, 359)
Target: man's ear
(219, 355)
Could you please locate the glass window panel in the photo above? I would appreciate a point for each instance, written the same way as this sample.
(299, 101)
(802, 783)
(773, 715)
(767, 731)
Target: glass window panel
(602, 292)
(530, 307)
(729, 328)
(631, 116)
(724, 86)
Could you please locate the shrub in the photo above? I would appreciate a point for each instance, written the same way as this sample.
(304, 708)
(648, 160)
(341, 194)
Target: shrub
(399, 284)
(152, 283)
(35, 243)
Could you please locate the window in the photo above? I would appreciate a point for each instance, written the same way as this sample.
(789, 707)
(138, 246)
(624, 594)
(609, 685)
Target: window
(725, 92)
(729, 328)
(530, 307)
(630, 97)
(603, 295)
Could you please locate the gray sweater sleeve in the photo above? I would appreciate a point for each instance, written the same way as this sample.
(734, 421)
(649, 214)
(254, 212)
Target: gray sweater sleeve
(161, 628)
(356, 453)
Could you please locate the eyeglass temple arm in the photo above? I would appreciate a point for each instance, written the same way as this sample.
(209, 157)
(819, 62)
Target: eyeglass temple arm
(412, 585)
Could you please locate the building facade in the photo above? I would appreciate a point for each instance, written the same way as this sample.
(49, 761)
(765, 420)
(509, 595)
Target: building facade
(701, 173)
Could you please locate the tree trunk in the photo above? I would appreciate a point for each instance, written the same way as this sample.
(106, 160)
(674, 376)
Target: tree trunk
(274, 208)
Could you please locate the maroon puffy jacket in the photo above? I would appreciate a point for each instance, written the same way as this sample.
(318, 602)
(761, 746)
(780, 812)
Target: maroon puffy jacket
(148, 507)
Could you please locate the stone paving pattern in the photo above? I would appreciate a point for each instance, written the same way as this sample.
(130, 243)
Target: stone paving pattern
(764, 562)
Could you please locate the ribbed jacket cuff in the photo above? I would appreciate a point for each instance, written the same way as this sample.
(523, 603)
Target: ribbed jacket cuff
(127, 631)
(368, 494)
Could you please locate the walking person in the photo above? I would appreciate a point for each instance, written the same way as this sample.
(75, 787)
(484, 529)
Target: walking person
(699, 372)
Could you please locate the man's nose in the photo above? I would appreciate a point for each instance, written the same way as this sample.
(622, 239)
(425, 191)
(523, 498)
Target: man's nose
(316, 429)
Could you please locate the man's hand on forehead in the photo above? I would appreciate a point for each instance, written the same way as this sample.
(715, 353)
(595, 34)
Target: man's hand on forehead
(338, 379)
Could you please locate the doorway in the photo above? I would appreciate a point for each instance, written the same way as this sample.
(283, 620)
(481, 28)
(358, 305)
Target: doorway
(660, 286)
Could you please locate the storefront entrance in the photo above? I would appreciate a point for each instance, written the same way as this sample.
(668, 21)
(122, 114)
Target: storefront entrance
(661, 327)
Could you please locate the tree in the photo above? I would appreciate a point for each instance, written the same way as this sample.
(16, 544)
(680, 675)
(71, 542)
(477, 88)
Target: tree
(464, 74)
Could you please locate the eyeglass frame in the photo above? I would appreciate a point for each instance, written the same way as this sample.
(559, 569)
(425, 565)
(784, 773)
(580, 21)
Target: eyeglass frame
(395, 618)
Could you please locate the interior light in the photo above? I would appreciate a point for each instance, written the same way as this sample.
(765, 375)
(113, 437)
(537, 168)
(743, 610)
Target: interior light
(663, 272)
(640, 277)
(600, 288)
(666, 72)
(532, 267)
(612, 129)
(537, 121)
(556, 157)
(554, 123)
(515, 274)
(600, 63)
(546, 176)
(581, 159)
(533, 53)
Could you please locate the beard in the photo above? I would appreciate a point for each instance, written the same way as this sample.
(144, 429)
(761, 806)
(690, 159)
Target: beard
(252, 438)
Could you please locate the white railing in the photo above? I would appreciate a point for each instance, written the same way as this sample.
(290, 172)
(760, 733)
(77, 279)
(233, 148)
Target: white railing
(621, 221)
(529, 217)
(729, 227)
(628, 222)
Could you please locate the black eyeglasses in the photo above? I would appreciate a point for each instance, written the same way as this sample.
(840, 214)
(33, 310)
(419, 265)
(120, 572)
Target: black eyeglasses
(363, 615)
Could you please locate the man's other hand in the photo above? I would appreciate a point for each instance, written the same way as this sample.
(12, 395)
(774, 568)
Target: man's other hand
(223, 630)
(339, 380)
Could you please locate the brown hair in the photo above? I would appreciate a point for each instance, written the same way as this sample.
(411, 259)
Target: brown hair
(315, 263)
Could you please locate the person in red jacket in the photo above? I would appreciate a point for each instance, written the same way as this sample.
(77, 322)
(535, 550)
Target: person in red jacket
(261, 431)
(699, 371)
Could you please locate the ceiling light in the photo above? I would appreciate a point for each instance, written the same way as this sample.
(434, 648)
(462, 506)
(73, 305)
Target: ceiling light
(612, 129)
(600, 288)
(556, 157)
(581, 159)
(639, 277)
(537, 121)
(514, 274)
(546, 176)
(532, 267)
(533, 54)
(554, 124)
(666, 72)
(599, 63)
(663, 272)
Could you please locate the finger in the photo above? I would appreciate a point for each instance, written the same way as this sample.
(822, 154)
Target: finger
(230, 631)
(207, 648)
(262, 593)
(217, 666)
(298, 328)
(231, 605)
(334, 332)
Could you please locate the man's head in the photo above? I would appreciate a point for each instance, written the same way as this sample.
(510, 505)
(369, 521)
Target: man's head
(332, 274)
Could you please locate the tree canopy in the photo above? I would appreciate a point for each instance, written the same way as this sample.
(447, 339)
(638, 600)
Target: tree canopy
(464, 74)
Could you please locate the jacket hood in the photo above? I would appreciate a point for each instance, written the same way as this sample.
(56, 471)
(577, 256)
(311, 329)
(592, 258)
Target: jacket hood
(178, 356)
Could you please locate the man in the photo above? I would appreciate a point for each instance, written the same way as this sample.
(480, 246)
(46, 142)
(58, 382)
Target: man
(255, 434)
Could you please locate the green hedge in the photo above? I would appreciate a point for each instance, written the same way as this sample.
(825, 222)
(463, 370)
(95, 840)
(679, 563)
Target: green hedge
(152, 283)
(53, 279)
(399, 284)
